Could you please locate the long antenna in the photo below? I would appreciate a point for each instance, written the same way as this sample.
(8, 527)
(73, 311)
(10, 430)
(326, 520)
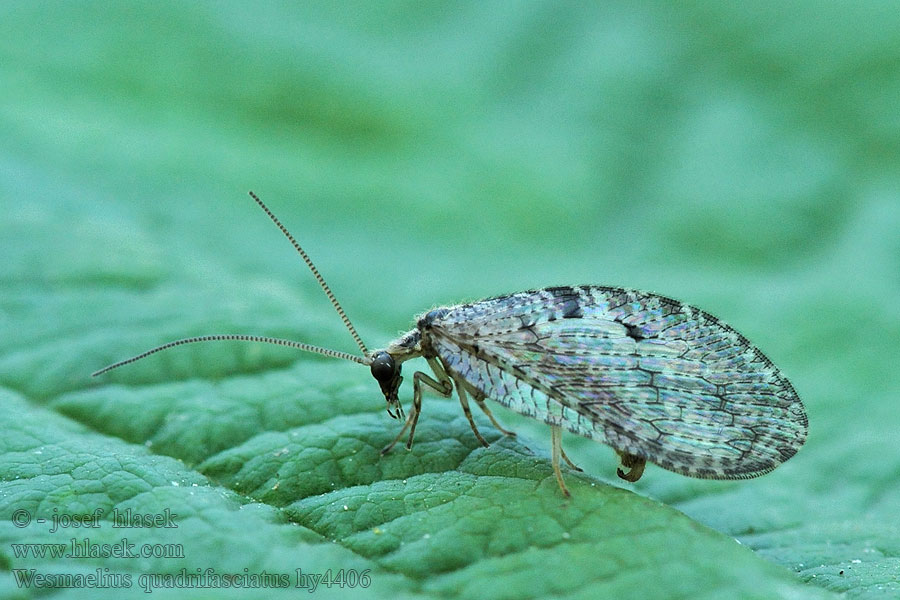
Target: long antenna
(238, 337)
(315, 272)
(363, 360)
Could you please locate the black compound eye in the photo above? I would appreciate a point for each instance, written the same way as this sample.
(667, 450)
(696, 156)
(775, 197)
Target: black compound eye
(383, 366)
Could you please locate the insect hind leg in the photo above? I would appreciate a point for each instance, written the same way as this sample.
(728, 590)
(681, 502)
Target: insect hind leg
(568, 460)
(442, 385)
(557, 451)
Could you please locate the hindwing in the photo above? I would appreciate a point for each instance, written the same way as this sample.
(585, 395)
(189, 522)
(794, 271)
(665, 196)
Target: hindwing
(648, 375)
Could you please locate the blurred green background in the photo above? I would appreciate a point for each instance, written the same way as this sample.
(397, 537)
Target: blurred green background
(743, 158)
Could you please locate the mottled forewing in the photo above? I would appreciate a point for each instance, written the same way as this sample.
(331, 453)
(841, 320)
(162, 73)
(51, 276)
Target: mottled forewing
(646, 374)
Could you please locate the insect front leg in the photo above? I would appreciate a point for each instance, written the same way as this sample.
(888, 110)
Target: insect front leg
(442, 385)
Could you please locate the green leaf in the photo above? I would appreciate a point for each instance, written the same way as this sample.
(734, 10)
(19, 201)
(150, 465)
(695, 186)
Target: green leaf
(740, 158)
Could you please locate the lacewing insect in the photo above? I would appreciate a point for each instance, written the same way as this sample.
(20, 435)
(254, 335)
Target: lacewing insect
(654, 378)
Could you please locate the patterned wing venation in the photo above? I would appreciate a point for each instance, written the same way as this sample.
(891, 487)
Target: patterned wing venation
(503, 386)
(648, 375)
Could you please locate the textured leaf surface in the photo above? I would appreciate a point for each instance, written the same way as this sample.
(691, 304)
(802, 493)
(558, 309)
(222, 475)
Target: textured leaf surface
(742, 160)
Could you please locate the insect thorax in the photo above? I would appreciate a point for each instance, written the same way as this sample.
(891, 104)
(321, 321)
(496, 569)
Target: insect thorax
(428, 318)
(415, 342)
(406, 346)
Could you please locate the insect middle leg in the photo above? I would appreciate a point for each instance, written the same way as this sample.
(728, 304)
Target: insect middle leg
(464, 402)
(479, 400)
(442, 385)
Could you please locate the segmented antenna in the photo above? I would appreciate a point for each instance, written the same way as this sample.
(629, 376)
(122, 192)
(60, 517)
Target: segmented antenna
(238, 337)
(363, 360)
(315, 272)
